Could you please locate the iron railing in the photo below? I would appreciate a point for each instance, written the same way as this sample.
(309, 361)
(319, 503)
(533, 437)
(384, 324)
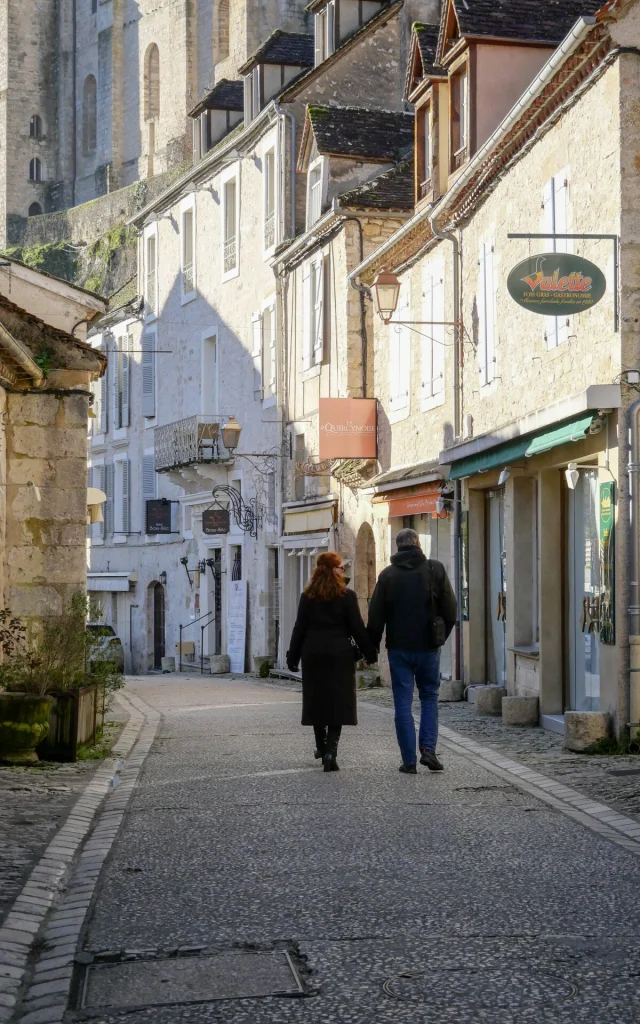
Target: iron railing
(270, 230)
(230, 254)
(187, 279)
(189, 441)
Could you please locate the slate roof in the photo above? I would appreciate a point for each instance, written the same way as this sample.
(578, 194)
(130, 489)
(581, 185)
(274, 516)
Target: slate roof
(392, 190)
(36, 337)
(378, 135)
(534, 20)
(427, 40)
(293, 48)
(225, 95)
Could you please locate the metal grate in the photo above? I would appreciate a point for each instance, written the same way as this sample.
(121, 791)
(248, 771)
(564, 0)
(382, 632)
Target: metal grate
(192, 440)
(230, 254)
(187, 279)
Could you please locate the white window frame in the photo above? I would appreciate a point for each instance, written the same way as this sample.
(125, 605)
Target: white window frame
(320, 164)
(231, 174)
(270, 215)
(487, 320)
(433, 340)
(270, 358)
(313, 288)
(121, 485)
(555, 215)
(187, 271)
(400, 357)
(151, 309)
(210, 335)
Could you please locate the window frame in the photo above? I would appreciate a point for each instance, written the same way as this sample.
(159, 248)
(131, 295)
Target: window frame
(459, 155)
(35, 123)
(35, 170)
(319, 165)
(151, 310)
(232, 174)
(211, 334)
(188, 206)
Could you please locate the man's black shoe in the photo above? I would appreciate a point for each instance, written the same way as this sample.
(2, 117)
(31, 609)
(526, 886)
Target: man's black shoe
(409, 769)
(430, 761)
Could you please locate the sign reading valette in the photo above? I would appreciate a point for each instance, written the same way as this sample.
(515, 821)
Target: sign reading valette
(215, 520)
(556, 284)
(348, 428)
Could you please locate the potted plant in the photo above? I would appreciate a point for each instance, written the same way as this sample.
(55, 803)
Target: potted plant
(51, 681)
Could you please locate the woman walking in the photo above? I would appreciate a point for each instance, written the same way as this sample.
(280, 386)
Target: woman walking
(328, 619)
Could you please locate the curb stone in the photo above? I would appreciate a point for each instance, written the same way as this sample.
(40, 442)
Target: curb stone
(31, 907)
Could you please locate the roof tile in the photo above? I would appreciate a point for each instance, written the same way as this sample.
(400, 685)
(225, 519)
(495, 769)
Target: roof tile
(356, 132)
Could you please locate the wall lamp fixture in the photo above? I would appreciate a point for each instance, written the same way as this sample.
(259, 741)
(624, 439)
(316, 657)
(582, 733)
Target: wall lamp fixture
(386, 292)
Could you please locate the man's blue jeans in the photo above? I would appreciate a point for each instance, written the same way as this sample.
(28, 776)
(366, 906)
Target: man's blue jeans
(424, 668)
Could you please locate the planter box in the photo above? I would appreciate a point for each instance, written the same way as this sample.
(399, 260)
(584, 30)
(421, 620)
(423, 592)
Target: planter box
(74, 720)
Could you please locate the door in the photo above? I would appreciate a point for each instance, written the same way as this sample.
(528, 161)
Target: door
(585, 589)
(496, 594)
(435, 538)
(214, 627)
(158, 625)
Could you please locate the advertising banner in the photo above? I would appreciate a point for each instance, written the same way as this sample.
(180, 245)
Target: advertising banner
(348, 428)
(556, 284)
(158, 516)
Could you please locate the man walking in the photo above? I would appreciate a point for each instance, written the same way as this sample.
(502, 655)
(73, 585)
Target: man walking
(413, 598)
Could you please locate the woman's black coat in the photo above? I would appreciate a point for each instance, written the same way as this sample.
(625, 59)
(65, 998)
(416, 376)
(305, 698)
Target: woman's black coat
(321, 638)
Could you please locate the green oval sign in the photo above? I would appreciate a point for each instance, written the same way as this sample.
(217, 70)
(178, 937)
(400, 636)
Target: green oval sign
(556, 284)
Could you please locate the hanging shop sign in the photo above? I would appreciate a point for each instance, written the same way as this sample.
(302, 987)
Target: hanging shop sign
(215, 521)
(414, 501)
(608, 563)
(158, 516)
(556, 284)
(348, 428)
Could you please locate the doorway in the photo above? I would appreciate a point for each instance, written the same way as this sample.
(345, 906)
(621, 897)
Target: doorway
(158, 625)
(435, 538)
(365, 568)
(585, 590)
(496, 592)
(214, 602)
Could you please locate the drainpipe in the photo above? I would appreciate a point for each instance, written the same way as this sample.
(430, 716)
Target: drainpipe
(448, 236)
(292, 124)
(74, 114)
(633, 469)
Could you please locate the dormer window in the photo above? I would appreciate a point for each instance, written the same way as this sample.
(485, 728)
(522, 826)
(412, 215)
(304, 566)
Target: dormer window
(215, 115)
(325, 33)
(280, 59)
(252, 94)
(459, 107)
(337, 20)
(314, 193)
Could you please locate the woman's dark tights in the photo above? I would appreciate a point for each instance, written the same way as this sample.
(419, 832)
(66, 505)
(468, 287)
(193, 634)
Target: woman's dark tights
(327, 737)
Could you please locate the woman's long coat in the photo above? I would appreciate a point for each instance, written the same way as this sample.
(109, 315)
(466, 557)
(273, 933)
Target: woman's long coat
(321, 639)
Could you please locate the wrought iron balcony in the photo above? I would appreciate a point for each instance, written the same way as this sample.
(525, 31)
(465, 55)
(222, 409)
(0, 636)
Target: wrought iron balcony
(230, 259)
(191, 441)
(270, 230)
(187, 279)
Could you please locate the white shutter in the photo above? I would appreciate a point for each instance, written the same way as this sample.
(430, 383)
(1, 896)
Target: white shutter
(103, 488)
(256, 334)
(306, 316)
(247, 99)
(438, 335)
(562, 244)
(104, 389)
(116, 358)
(318, 30)
(331, 30)
(399, 358)
(273, 351)
(126, 344)
(108, 505)
(394, 365)
(318, 311)
(490, 311)
(148, 374)
(125, 481)
(482, 315)
(428, 347)
(148, 485)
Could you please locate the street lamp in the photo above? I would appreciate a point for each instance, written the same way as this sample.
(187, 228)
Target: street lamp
(386, 291)
(231, 434)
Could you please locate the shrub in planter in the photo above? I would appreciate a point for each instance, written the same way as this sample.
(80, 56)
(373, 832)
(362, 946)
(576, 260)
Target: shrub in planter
(56, 661)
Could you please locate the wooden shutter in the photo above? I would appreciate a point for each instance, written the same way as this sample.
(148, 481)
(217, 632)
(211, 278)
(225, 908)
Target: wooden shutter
(330, 44)
(256, 334)
(490, 306)
(126, 345)
(103, 488)
(306, 314)
(482, 315)
(116, 363)
(148, 484)
(148, 374)
(108, 505)
(273, 351)
(104, 389)
(126, 480)
(428, 346)
(318, 311)
(438, 334)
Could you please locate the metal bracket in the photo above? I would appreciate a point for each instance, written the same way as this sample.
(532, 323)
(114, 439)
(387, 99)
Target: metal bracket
(615, 239)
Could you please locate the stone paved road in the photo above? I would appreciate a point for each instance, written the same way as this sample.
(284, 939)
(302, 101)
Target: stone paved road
(451, 897)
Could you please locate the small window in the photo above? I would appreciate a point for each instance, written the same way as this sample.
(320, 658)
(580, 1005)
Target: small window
(151, 277)
(188, 253)
(94, 6)
(269, 200)
(35, 126)
(35, 169)
(314, 204)
(230, 247)
(459, 119)
(35, 210)
(89, 115)
(152, 83)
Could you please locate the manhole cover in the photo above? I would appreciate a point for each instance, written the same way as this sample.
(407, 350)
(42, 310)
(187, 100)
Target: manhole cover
(493, 989)
(190, 979)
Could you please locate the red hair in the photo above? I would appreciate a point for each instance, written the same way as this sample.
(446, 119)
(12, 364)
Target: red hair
(325, 584)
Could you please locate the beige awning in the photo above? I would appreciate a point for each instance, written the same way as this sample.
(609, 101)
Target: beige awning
(308, 520)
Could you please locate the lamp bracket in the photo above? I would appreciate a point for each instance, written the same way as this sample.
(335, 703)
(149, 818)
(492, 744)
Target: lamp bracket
(248, 515)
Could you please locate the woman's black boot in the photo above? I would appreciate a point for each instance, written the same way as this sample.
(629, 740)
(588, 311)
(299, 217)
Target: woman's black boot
(331, 751)
(320, 732)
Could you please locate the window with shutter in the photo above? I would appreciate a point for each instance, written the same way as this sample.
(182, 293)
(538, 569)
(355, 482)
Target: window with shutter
(121, 496)
(125, 347)
(149, 373)
(433, 340)
(270, 200)
(108, 505)
(116, 384)
(151, 277)
(400, 358)
(554, 206)
(317, 296)
(256, 334)
(101, 527)
(486, 314)
(148, 484)
(306, 317)
(188, 253)
(230, 242)
(103, 410)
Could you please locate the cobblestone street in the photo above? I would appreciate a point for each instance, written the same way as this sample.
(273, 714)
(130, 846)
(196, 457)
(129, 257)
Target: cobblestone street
(243, 884)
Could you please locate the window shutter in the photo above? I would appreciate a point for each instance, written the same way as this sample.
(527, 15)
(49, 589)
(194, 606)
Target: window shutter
(126, 343)
(318, 26)
(103, 488)
(428, 346)
(115, 381)
(148, 373)
(247, 98)
(256, 334)
(490, 300)
(148, 484)
(331, 29)
(399, 358)
(272, 345)
(104, 390)
(108, 490)
(482, 316)
(438, 335)
(318, 312)
(560, 189)
(125, 494)
(306, 312)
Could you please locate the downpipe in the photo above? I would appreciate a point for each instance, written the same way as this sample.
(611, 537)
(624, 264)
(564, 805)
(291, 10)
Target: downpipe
(633, 469)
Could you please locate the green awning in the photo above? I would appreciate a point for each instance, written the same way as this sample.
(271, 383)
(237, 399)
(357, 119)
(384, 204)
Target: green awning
(522, 447)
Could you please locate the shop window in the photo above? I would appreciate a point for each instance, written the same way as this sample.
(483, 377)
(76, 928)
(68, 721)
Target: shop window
(152, 83)
(89, 115)
(35, 126)
(35, 169)
(35, 210)
(459, 88)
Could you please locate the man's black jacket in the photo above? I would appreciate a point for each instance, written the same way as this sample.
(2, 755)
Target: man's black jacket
(410, 595)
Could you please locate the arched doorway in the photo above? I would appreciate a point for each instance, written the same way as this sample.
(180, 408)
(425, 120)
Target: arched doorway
(365, 570)
(158, 625)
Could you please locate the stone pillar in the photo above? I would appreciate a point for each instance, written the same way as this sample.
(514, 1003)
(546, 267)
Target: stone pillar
(550, 592)
(519, 496)
(475, 670)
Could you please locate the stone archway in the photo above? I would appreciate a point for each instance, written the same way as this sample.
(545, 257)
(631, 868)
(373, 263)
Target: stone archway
(365, 568)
